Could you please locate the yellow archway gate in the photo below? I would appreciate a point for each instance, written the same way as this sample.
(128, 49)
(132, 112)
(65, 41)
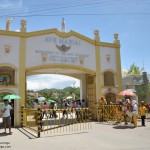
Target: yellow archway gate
(34, 52)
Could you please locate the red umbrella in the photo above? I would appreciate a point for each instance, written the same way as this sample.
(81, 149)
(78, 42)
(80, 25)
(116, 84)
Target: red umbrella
(128, 93)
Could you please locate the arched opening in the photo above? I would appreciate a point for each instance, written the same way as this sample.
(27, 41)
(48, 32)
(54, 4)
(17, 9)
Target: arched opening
(52, 86)
(7, 75)
(85, 76)
(109, 79)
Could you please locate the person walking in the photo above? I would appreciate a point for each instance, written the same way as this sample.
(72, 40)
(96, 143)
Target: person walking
(44, 110)
(65, 107)
(135, 112)
(142, 111)
(36, 103)
(51, 107)
(6, 116)
(54, 110)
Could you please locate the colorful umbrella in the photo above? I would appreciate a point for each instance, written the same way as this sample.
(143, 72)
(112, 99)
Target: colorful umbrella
(50, 100)
(126, 92)
(11, 96)
(69, 97)
(41, 98)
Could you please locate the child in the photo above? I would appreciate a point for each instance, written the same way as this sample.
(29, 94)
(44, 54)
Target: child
(142, 111)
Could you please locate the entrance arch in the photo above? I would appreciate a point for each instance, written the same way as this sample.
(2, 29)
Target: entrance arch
(69, 53)
(86, 77)
(54, 68)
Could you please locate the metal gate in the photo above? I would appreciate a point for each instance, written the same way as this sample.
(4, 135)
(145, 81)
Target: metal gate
(56, 121)
(91, 95)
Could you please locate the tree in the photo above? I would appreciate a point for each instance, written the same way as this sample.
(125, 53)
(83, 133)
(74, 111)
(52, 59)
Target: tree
(137, 76)
(142, 91)
(1, 97)
(56, 94)
(135, 70)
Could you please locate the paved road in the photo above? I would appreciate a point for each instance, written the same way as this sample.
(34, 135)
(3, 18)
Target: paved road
(102, 136)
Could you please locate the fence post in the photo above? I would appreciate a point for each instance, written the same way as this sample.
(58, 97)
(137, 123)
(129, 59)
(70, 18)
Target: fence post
(22, 115)
(39, 120)
(89, 118)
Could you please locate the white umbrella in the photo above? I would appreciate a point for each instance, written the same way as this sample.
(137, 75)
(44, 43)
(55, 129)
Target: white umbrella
(41, 98)
(69, 97)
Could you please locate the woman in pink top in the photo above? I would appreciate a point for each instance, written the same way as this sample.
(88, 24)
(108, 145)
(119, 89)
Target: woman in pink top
(44, 110)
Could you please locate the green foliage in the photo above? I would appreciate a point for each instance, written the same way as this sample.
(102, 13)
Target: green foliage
(142, 91)
(55, 94)
(135, 69)
(30, 101)
(1, 97)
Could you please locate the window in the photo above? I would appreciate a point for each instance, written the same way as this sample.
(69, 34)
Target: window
(108, 79)
(7, 75)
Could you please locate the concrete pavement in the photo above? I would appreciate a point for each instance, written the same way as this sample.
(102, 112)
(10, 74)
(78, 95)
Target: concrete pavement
(102, 136)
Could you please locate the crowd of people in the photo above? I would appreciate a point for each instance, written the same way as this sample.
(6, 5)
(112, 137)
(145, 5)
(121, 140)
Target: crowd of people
(49, 110)
(131, 111)
(71, 105)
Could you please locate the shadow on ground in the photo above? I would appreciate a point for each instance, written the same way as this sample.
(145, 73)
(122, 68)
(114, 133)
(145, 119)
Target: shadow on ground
(4, 134)
(123, 127)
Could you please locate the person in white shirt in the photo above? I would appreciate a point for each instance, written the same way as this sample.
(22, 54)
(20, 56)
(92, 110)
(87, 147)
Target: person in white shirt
(36, 103)
(135, 112)
(6, 115)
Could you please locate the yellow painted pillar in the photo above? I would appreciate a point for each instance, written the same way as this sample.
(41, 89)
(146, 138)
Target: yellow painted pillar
(22, 70)
(98, 65)
(22, 75)
(118, 63)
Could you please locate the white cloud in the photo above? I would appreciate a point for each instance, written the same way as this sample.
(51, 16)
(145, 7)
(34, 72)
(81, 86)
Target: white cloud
(37, 82)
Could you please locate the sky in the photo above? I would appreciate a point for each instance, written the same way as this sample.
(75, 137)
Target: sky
(130, 19)
(37, 82)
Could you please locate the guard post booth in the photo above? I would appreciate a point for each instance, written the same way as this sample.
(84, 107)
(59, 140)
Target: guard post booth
(95, 63)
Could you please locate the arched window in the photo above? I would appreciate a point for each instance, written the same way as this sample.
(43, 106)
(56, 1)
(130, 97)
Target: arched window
(108, 79)
(7, 75)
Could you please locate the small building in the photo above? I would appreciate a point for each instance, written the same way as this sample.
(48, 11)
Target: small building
(138, 84)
